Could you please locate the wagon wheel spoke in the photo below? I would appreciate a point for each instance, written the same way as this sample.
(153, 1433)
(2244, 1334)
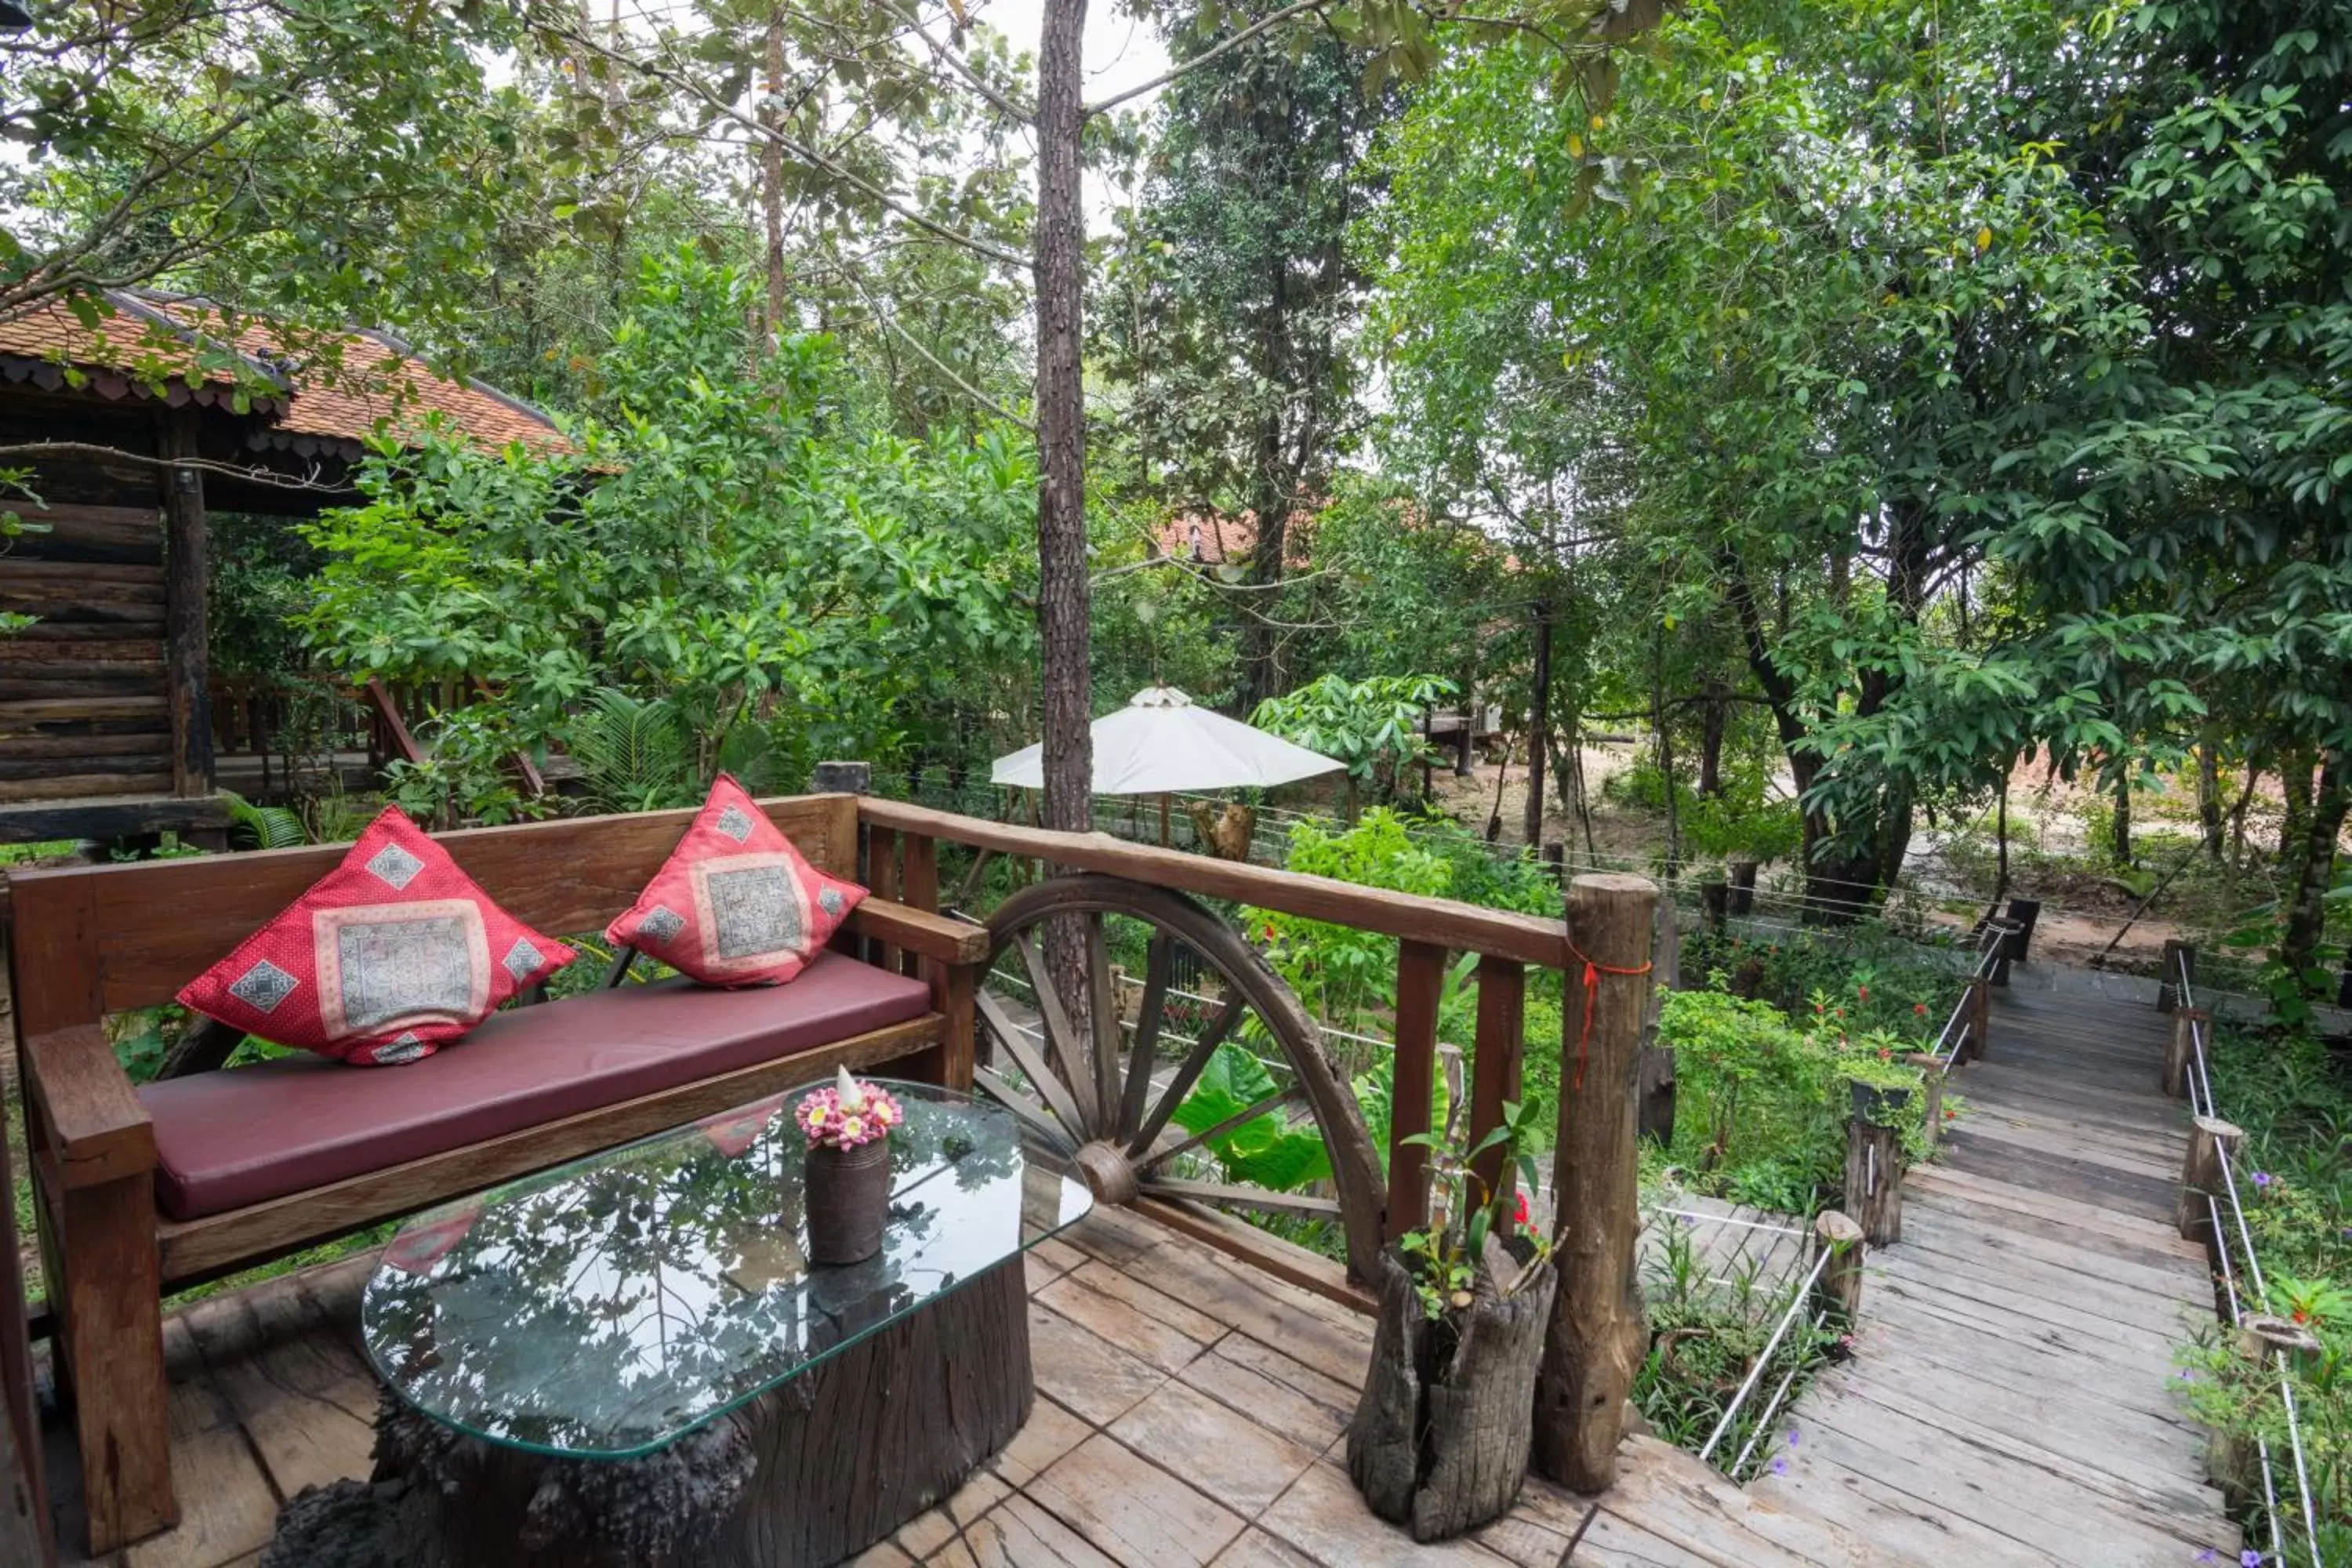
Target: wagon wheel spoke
(1245, 1197)
(1188, 1072)
(1103, 1013)
(1069, 1052)
(1015, 1041)
(1241, 1118)
(1039, 1118)
(1150, 1017)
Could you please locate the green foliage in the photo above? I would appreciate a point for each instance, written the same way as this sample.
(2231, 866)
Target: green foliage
(1341, 974)
(1446, 1257)
(1372, 725)
(727, 542)
(263, 827)
(1263, 1152)
(633, 752)
(2292, 1096)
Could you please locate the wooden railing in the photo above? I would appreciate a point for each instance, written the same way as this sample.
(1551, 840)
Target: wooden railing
(1603, 950)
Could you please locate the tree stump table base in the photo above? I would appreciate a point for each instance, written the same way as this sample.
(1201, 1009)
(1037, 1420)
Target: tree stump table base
(808, 1474)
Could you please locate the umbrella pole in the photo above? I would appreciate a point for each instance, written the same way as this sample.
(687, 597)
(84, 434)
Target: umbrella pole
(1163, 819)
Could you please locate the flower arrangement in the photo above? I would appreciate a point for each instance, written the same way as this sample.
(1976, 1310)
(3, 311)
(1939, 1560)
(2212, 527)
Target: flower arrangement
(847, 1114)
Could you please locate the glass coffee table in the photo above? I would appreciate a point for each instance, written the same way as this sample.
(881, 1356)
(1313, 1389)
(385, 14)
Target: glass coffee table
(634, 1348)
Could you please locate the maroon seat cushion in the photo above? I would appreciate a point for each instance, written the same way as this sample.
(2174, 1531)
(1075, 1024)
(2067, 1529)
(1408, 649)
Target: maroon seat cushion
(246, 1134)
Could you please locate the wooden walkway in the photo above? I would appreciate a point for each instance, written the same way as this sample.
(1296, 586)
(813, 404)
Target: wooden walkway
(1190, 1412)
(2013, 1399)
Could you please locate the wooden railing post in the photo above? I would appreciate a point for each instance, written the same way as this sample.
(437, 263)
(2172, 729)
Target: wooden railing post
(1598, 1337)
(1420, 977)
(1931, 1073)
(1494, 1064)
(2180, 1051)
(1840, 1291)
(1874, 1180)
(2168, 975)
(2211, 1140)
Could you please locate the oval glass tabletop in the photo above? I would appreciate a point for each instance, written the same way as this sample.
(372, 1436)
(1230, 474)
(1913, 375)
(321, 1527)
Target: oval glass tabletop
(607, 1308)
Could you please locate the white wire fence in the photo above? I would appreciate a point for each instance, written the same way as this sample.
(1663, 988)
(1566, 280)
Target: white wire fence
(2243, 1283)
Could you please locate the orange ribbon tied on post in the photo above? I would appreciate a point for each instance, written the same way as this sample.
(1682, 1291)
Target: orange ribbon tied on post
(1593, 973)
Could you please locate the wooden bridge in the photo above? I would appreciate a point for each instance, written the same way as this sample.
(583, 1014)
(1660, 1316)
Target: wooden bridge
(2013, 1397)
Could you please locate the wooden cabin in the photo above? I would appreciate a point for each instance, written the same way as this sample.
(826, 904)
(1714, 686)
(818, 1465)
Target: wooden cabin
(137, 416)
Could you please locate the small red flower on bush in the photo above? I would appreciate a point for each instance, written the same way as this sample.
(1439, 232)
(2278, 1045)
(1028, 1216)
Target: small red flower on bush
(1863, 992)
(1920, 1008)
(1521, 1213)
(1886, 1053)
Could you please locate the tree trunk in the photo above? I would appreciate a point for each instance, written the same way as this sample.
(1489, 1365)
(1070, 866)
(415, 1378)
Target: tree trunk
(2209, 798)
(1716, 712)
(771, 185)
(2119, 848)
(1062, 587)
(1260, 652)
(2312, 861)
(1539, 724)
(2295, 783)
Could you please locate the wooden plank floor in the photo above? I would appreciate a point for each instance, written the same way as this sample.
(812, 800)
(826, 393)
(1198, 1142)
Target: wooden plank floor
(2012, 1395)
(1190, 1412)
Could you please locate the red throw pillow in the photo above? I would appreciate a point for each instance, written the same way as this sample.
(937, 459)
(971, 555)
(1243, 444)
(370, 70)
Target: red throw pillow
(389, 956)
(735, 904)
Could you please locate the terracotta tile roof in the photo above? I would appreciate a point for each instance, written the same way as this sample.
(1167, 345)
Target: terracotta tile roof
(1215, 540)
(378, 384)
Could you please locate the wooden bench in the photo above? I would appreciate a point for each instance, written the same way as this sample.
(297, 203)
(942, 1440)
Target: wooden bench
(87, 941)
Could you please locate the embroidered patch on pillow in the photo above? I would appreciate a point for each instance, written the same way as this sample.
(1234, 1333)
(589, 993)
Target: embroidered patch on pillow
(735, 904)
(389, 956)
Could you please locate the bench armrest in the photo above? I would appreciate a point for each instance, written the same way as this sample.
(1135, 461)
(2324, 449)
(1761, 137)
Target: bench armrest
(933, 936)
(91, 1118)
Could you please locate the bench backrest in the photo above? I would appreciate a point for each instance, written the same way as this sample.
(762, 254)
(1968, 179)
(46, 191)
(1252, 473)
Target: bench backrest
(94, 940)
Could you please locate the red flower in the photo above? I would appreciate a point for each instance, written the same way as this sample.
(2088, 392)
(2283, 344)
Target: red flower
(1841, 1012)
(1920, 1008)
(1863, 991)
(1950, 1115)
(1522, 1214)
(1885, 1053)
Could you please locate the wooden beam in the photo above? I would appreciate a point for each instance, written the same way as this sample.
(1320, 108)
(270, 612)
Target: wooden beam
(1442, 922)
(186, 617)
(1494, 1064)
(1421, 979)
(40, 821)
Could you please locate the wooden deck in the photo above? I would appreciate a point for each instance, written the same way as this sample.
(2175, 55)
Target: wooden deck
(2012, 1400)
(1190, 1411)
(2013, 1397)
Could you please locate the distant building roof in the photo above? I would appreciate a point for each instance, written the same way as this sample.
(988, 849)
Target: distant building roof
(1216, 539)
(183, 349)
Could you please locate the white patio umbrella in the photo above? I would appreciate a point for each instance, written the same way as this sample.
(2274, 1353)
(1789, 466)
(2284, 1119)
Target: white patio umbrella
(1161, 743)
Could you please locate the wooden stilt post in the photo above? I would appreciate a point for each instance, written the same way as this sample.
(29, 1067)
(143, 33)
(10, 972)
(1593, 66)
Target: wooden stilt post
(2210, 1141)
(1840, 1292)
(1742, 870)
(1597, 1336)
(2180, 1052)
(1715, 905)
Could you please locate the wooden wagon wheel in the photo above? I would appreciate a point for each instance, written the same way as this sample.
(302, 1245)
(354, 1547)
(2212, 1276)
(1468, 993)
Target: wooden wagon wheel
(1119, 1113)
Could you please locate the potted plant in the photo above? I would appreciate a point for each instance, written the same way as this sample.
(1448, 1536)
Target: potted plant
(846, 1177)
(1440, 1439)
(1881, 1085)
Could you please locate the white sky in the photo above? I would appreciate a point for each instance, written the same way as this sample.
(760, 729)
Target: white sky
(1122, 52)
